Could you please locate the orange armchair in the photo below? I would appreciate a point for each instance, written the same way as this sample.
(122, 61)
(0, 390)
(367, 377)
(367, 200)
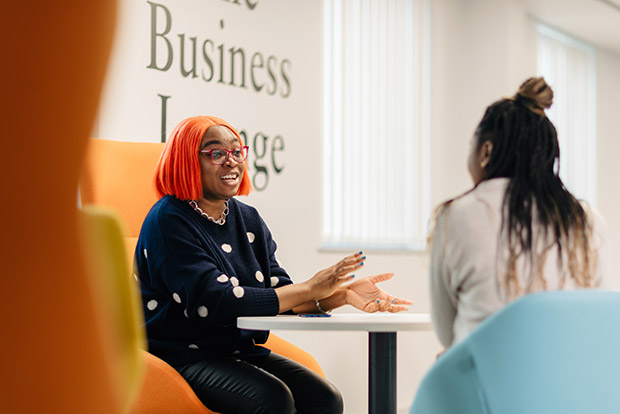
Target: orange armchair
(119, 175)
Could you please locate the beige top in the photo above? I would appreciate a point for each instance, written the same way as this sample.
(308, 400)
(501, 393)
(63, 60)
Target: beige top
(468, 262)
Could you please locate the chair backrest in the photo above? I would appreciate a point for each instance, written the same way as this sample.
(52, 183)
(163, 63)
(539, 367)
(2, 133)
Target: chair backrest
(550, 352)
(119, 175)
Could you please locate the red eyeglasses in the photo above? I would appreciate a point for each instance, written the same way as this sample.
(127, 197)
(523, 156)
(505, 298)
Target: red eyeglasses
(219, 156)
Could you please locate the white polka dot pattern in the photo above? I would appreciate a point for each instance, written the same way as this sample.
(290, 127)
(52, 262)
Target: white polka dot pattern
(203, 311)
(222, 278)
(259, 276)
(238, 291)
(185, 313)
(135, 276)
(234, 281)
(274, 281)
(193, 346)
(251, 236)
(146, 255)
(151, 304)
(227, 247)
(176, 297)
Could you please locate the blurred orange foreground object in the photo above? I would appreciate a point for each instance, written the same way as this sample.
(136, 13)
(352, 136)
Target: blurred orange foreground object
(53, 355)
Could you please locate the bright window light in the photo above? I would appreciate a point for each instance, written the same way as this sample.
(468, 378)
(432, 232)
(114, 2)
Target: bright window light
(569, 67)
(376, 148)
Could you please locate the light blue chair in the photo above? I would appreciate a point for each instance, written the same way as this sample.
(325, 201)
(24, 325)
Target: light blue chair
(551, 352)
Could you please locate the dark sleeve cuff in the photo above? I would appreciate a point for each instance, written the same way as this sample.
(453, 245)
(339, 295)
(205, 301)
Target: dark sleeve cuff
(266, 302)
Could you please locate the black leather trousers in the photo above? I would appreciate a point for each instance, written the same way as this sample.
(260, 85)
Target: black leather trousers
(269, 384)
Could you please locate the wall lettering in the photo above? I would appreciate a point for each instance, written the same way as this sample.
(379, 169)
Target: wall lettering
(200, 57)
(230, 65)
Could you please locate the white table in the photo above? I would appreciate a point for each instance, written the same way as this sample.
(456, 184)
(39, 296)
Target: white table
(381, 328)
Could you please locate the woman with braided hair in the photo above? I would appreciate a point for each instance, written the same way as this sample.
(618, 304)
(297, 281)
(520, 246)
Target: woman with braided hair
(518, 230)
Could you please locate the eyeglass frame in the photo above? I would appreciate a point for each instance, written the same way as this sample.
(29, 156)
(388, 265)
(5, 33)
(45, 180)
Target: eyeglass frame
(228, 152)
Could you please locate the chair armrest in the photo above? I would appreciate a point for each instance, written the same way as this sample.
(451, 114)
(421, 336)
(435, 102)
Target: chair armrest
(165, 391)
(286, 349)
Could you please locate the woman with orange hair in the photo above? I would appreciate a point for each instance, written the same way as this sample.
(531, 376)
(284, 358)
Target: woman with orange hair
(204, 258)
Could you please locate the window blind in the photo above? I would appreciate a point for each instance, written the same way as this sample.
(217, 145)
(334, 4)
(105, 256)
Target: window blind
(569, 67)
(376, 143)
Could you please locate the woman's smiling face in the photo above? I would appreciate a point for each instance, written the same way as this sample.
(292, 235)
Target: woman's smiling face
(220, 182)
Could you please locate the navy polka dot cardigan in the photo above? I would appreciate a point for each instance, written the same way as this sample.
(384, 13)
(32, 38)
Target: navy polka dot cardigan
(197, 277)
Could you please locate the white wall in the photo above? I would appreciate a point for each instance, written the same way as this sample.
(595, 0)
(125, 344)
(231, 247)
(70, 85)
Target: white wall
(481, 51)
(609, 148)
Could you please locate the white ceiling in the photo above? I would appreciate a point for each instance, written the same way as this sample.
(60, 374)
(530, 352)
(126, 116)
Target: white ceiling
(594, 21)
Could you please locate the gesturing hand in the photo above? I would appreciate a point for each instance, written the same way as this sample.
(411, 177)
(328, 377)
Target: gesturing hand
(326, 281)
(365, 295)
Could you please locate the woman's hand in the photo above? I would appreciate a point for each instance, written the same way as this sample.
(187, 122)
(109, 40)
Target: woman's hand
(327, 281)
(365, 295)
(301, 296)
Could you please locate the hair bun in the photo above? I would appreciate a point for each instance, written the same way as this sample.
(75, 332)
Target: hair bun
(535, 95)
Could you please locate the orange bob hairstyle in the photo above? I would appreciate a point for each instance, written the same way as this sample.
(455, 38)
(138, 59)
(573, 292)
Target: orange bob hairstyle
(178, 170)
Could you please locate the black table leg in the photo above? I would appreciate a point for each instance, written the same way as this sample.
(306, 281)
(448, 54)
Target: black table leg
(382, 373)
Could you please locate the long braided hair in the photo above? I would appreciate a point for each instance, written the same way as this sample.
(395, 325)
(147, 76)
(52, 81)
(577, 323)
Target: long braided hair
(526, 150)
